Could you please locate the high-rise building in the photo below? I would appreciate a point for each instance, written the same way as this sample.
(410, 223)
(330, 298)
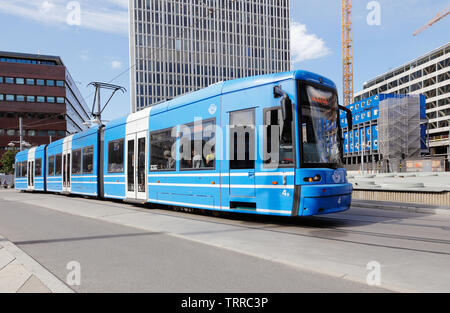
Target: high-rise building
(40, 90)
(428, 75)
(180, 46)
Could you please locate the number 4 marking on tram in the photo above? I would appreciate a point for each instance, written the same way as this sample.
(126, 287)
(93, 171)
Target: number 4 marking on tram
(286, 193)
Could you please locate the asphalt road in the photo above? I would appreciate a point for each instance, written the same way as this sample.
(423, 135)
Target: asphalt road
(168, 251)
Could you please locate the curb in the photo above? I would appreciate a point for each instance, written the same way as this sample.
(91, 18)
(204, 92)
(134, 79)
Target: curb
(401, 207)
(50, 281)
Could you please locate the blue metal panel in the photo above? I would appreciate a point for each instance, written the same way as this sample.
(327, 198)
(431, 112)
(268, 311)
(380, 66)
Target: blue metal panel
(114, 183)
(423, 137)
(423, 107)
(86, 184)
(375, 113)
(193, 188)
(39, 180)
(54, 182)
(356, 140)
(20, 183)
(358, 107)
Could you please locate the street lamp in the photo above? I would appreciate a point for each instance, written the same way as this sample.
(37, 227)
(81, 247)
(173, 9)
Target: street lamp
(22, 144)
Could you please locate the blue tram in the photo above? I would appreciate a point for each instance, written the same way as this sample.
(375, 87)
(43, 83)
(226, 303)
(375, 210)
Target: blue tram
(269, 145)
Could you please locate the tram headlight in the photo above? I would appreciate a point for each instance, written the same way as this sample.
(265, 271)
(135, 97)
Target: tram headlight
(314, 179)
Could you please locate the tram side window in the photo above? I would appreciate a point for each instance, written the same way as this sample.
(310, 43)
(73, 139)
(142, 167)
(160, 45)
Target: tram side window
(162, 151)
(18, 169)
(58, 164)
(88, 160)
(115, 156)
(51, 165)
(278, 143)
(197, 146)
(242, 140)
(76, 162)
(25, 169)
(38, 168)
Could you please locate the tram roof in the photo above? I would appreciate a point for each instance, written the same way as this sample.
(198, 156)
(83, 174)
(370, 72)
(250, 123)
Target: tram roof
(224, 88)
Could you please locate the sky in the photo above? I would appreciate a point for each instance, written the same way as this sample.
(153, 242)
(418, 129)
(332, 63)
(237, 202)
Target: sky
(94, 43)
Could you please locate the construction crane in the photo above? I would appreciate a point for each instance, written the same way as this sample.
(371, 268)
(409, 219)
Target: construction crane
(347, 51)
(436, 19)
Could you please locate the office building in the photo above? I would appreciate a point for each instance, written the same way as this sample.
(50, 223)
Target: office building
(428, 75)
(40, 90)
(180, 46)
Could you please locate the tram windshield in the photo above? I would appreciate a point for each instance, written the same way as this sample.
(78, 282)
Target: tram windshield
(319, 127)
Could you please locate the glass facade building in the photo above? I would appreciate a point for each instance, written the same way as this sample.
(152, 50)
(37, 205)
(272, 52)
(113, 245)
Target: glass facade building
(180, 46)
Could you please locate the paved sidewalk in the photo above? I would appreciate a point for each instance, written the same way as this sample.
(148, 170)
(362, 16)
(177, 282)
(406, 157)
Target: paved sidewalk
(402, 207)
(19, 273)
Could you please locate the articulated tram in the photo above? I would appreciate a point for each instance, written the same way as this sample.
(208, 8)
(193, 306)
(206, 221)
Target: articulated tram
(269, 145)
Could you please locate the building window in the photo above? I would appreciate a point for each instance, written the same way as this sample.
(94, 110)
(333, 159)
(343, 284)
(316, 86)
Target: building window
(60, 83)
(40, 82)
(88, 160)
(50, 82)
(199, 138)
(31, 99)
(10, 132)
(116, 156)
(20, 98)
(51, 99)
(9, 80)
(2, 97)
(38, 168)
(51, 165)
(60, 100)
(20, 81)
(1, 80)
(52, 133)
(162, 151)
(76, 162)
(58, 164)
(61, 133)
(30, 81)
(41, 99)
(31, 133)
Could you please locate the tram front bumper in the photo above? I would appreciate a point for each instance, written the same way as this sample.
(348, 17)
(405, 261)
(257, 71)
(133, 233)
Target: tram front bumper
(325, 199)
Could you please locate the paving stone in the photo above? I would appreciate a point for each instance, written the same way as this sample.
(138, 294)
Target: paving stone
(33, 285)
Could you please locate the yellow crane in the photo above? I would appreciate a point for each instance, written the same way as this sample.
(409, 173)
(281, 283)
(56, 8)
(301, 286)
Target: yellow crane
(347, 51)
(436, 19)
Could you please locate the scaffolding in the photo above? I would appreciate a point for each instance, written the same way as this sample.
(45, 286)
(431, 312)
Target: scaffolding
(399, 131)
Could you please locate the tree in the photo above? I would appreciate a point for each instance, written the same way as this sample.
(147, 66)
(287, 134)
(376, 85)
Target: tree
(7, 161)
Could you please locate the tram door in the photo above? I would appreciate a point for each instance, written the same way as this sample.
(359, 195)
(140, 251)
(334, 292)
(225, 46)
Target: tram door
(136, 160)
(67, 169)
(242, 146)
(30, 171)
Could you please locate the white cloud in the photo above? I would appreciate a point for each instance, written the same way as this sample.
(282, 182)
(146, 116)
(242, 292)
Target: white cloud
(306, 46)
(116, 65)
(102, 15)
(45, 7)
(84, 55)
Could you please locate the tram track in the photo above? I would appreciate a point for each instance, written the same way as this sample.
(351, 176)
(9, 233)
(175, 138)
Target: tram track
(330, 227)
